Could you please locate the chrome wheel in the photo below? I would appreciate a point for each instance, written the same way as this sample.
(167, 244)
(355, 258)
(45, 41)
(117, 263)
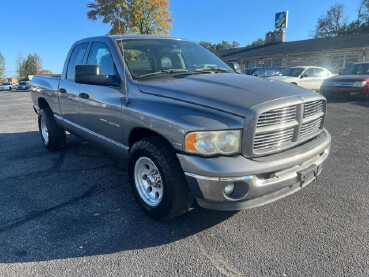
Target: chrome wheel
(44, 131)
(148, 181)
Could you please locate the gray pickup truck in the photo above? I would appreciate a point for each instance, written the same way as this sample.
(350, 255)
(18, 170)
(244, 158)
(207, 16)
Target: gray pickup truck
(191, 127)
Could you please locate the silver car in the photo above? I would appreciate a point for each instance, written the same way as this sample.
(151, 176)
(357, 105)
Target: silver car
(23, 85)
(6, 86)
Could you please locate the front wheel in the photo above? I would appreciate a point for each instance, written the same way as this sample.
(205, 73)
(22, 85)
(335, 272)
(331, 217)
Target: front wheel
(157, 179)
(52, 135)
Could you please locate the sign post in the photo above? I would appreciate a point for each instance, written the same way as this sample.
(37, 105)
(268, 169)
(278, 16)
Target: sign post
(281, 20)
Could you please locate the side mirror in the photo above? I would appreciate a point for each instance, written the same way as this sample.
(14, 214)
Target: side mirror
(90, 74)
(303, 76)
(236, 66)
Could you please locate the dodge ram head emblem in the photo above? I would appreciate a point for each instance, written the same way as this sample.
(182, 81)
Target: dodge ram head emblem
(301, 98)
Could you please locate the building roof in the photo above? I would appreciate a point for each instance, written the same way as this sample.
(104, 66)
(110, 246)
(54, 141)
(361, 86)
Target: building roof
(297, 47)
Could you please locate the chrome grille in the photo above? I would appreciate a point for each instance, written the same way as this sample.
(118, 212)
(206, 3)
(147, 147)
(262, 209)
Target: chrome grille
(272, 139)
(312, 108)
(284, 127)
(277, 116)
(311, 127)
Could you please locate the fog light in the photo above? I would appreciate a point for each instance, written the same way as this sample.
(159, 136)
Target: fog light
(229, 189)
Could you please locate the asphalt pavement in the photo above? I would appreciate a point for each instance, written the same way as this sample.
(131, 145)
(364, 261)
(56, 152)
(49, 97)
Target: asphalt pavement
(71, 213)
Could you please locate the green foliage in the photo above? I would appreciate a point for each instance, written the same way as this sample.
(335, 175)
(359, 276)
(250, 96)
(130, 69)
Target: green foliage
(132, 16)
(30, 66)
(257, 42)
(2, 68)
(219, 46)
(132, 56)
(334, 23)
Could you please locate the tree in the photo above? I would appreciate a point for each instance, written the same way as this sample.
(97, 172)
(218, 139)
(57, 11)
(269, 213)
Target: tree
(31, 65)
(257, 42)
(220, 46)
(132, 16)
(38, 63)
(332, 24)
(21, 69)
(2, 68)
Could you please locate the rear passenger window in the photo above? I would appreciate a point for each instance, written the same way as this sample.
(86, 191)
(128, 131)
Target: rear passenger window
(75, 59)
(100, 55)
(320, 72)
(310, 72)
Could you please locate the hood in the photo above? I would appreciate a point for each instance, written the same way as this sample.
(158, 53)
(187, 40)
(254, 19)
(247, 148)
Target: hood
(230, 92)
(348, 78)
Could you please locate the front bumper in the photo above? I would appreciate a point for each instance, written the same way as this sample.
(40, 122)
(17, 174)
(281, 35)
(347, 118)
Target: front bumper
(342, 92)
(256, 182)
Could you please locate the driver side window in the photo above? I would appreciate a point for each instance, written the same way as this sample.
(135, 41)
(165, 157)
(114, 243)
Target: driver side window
(100, 55)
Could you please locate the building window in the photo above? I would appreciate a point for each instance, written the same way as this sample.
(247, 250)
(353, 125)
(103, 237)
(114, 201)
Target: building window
(267, 63)
(276, 63)
(351, 58)
(251, 64)
(337, 62)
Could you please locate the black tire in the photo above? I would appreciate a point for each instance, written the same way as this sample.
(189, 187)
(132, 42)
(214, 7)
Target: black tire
(56, 135)
(177, 198)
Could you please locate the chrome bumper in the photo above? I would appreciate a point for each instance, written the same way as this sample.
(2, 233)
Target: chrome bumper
(257, 189)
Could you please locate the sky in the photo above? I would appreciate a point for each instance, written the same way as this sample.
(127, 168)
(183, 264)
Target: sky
(50, 27)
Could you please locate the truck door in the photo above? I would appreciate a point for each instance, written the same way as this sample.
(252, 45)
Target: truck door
(68, 89)
(101, 106)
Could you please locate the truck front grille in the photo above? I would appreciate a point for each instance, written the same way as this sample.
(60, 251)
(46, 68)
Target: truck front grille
(311, 127)
(277, 116)
(312, 108)
(287, 126)
(273, 139)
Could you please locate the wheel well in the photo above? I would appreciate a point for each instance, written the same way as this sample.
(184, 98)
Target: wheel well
(293, 83)
(139, 134)
(42, 103)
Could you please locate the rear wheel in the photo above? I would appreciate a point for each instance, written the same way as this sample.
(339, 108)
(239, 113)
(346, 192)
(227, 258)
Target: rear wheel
(157, 179)
(52, 135)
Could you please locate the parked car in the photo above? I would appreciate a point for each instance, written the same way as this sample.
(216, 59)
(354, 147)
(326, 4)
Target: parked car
(351, 82)
(309, 77)
(262, 72)
(189, 125)
(24, 85)
(14, 86)
(6, 86)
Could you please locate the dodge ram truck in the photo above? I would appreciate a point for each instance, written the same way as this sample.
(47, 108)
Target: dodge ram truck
(189, 125)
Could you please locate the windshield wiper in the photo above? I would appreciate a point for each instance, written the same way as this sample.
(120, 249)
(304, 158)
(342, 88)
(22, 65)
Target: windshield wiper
(165, 71)
(211, 69)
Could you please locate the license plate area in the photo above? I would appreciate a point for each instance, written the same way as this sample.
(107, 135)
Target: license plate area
(308, 173)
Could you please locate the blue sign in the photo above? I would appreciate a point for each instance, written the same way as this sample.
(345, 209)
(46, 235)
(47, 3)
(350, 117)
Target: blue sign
(281, 20)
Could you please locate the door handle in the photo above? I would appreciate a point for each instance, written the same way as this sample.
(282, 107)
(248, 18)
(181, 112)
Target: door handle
(62, 90)
(84, 95)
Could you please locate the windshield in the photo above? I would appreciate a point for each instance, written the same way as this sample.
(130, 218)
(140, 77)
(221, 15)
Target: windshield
(292, 72)
(147, 57)
(23, 83)
(6, 84)
(357, 69)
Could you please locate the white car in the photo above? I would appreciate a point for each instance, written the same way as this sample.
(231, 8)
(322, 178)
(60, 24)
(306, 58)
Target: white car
(309, 77)
(14, 86)
(6, 86)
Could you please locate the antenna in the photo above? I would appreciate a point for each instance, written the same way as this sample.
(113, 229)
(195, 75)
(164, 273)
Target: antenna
(124, 61)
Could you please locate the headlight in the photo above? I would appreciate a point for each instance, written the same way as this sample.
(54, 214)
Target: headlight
(359, 84)
(214, 142)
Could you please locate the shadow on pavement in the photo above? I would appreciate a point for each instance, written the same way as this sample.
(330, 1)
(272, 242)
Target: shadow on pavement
(74, 203)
